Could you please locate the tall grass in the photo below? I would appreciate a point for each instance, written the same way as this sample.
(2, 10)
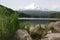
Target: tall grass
(8, 24)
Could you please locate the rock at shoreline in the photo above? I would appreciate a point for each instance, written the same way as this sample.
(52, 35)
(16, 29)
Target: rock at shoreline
(36, 27)
(22, 34)
(56, 26)
(52, 36)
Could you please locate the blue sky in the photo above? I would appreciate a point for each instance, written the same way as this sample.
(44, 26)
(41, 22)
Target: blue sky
(18, 4)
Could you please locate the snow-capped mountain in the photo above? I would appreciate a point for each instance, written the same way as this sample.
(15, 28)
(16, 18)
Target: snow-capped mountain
(35, 9)
(34, 6)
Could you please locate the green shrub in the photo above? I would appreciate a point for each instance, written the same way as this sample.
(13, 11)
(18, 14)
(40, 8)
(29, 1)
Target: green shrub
(8, 23)
(8, 26)
(40, 33)
(52, 29)
(24, 25)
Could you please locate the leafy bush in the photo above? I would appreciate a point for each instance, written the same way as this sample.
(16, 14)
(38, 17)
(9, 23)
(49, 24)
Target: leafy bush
(24, 25)
(8, 24)
(40, 32)
(52, 29)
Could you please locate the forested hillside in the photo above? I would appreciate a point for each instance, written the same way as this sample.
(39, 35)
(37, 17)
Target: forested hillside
(5, 10)
(8, 11)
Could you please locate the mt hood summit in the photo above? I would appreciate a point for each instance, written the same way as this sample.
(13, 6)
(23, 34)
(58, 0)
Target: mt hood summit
(34, 6)
(34, 10)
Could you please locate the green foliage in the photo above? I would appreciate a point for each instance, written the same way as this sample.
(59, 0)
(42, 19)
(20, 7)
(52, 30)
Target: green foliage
(55, 15)
(23, 39)
(8, 23)
(52, 29)
(24, 25)
(40, 32)
(6, 11)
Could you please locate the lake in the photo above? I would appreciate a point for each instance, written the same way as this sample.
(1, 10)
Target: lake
(37, 22)
(34, 21)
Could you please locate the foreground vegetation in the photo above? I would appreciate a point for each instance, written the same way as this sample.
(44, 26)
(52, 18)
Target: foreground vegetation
(36, 32)
(8, 23)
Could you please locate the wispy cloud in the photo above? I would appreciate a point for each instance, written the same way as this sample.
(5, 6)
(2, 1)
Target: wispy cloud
(54, 7)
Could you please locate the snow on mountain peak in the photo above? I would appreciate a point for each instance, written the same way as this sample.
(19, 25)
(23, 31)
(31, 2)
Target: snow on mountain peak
(34, 6)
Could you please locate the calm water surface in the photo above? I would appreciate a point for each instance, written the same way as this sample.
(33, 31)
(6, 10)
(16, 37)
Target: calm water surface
(37, 22)
(34, 21)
